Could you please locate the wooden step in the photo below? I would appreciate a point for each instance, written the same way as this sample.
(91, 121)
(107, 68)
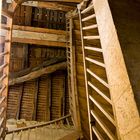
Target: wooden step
(2, 54)
(2, 66)
(100, 92)
(107, 114)
(91, 37)
(90, 27)
(93, 49)
(2, 100)
(1, 111)
(103, 126)
(97, 133)
(2, 89)
(98, 78)
(3, 76)
(88, 18)
(1, 121)
(87, 9)
(95, 62)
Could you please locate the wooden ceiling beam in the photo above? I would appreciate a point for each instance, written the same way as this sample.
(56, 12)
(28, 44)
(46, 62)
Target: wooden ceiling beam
(38, 73)
(48, 5)
(69, 1)
(38, 36)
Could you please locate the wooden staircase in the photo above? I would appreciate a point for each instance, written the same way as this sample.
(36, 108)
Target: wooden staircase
(102, 123)
(52, 130)
(5, 46)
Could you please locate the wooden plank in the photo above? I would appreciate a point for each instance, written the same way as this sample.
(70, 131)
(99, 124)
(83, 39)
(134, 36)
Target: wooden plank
(88, 18)
(97, 133)
(99, 92)
(48, 5)
(95, 62)
(40, 42)
(87, 9)
(46, 63)
(39, 30)
(38, 36)
(38, 73)
(107, 114)
(98, 78)
(103, 126)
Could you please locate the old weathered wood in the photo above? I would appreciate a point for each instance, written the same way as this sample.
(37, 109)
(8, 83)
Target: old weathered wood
(38, 73)
(44, 64)
(48, 5)
(37, 29)
(19, 101)
(38, 36)
(35, 99)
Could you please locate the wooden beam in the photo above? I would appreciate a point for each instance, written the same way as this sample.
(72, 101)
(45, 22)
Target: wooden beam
(38, 36)
(48, 5)
(39, 42)
(44, 64)
(38, 73)
(39, 30)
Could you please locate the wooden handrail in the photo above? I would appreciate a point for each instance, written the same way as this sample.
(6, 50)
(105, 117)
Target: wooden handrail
(38, 125)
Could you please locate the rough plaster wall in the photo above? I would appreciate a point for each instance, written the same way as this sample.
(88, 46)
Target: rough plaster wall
(126, 15)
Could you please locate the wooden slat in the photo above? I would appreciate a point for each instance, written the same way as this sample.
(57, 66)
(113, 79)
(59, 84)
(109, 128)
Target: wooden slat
(2, 54)
(87, 9)
(90, 27)
(103, 126)
(2, 66)
(95, 62)
(91, 37)
(3, 76)
(2, 99)
(99, 92)
(2, 110)
(1, 122)
(88, 18)
(98, 78)
(107, 114)
(38, 73)
(97, 133)
(2, 89)
(93, 49)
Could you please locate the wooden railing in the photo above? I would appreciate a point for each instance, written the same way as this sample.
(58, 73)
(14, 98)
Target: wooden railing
(57, 124)
(61, 120)
(5, 46)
